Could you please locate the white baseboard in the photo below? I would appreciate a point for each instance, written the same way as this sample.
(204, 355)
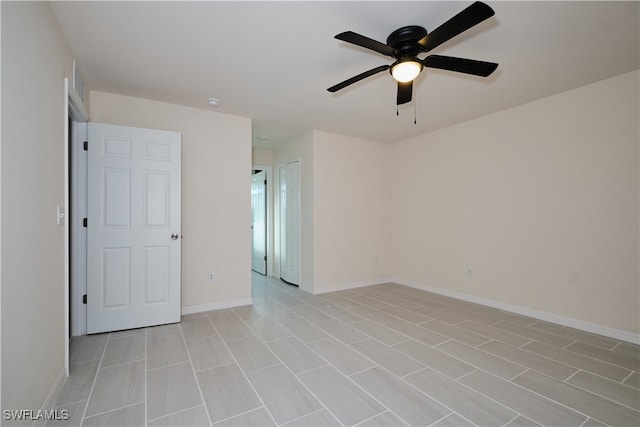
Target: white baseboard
(525, 311)
(344, 287)
(52, 396)
(191, 309)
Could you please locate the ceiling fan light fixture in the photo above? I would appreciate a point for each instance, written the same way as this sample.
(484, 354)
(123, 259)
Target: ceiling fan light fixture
(407, 70)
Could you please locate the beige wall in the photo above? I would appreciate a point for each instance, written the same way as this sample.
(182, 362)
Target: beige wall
(262, 157)
(35, 60)
(216, 192)
(351, 211)
(540, 201)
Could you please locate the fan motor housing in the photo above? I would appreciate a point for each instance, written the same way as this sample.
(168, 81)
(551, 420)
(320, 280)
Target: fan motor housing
(405, 40)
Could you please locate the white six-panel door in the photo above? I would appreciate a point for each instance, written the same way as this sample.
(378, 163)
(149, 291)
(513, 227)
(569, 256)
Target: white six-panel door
(134, 226)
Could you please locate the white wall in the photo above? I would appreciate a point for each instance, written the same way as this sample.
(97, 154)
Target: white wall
(35, 60)
(540, 201)
(216, 193)
(352, 212)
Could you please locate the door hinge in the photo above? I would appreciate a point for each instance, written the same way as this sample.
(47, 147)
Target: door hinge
(84, 222)
(265, 257)
(86, 146)
(265, 182)
(84, 298)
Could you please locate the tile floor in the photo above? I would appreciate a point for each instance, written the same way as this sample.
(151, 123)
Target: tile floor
(384, 355)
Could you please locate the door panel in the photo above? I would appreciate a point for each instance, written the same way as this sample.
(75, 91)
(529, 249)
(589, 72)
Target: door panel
(290, 222)
(259, 223)
(133, 262)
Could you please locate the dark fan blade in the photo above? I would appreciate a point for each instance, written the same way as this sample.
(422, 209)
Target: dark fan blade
(461, 65)
(360, 40)
(472, 15)
(405, 91)
(357, 78)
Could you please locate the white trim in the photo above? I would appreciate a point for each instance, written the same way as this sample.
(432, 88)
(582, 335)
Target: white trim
(78, 196)
(526, 311)
(191, 309)
(77, 110)
(79, 134)
(52, 396)
(346, 286)
(66, 204)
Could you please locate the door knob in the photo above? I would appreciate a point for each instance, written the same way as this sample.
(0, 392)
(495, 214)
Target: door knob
(174, 237)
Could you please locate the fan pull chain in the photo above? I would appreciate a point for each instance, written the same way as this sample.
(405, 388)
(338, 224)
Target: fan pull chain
(415, 104)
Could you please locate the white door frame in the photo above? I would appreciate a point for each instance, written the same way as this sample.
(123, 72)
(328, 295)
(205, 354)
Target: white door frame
(269, 176)
(79, 162)
(75, 111)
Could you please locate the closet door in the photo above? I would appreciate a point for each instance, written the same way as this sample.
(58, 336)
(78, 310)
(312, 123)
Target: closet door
(290, 222)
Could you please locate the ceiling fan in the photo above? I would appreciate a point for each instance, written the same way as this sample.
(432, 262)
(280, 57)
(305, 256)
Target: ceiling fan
(406, 43)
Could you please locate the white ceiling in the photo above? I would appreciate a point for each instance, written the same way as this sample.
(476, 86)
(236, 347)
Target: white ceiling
(273, 61)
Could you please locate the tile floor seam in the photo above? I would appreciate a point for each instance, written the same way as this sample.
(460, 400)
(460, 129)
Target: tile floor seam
(70, 403)
(517, 375)
(413, 387)
(619, 343)
(566, 347)
(262, 368)
(292, 373)
(239, 415)
(95, 378)
(539, 395)
(555, 401)
(600, 360)
(173, 413)
(130, 405)
(585, 422)
(566, 380)
(602, 396)
(348, 378)
(448, 415)
(122, 363)
(311, 413)
(371, 418)
(373, 397)
(473, 365)
(243, 374)
(171, 365)
(525, 344)
(456, 380)
(195, 376)
(468, 373)
(518, 414)
(625, 378)
(528, 367)
(314, 369)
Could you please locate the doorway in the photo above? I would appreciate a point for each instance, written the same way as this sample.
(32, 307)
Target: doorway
(259, 221)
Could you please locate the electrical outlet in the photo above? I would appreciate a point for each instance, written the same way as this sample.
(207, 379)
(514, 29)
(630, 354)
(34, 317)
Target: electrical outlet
(210, 277)
(469, 272)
